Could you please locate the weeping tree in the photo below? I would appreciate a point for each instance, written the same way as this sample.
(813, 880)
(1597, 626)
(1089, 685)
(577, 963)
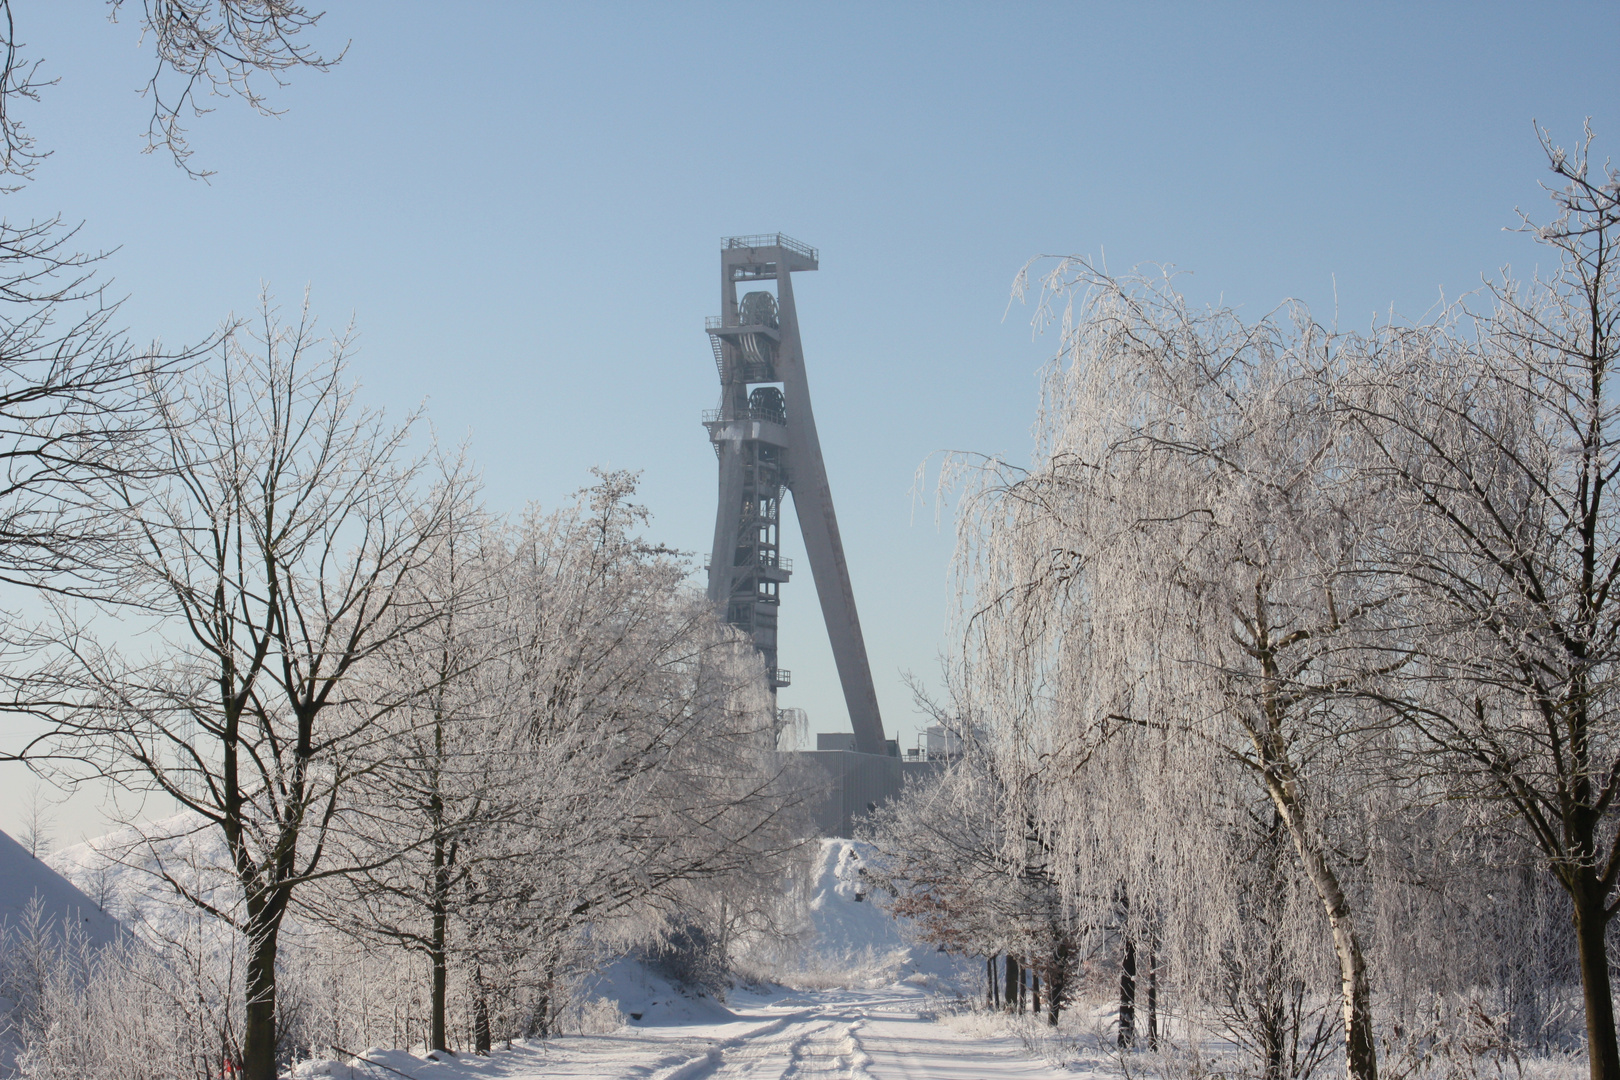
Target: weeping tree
(1178, 574)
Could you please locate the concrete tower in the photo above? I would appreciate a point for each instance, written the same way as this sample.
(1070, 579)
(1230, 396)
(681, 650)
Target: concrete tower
(765, 436)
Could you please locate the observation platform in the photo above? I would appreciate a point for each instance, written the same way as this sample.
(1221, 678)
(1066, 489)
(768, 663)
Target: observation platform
(755, 257)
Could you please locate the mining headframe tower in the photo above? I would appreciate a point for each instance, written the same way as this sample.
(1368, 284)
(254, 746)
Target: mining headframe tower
(764, 433)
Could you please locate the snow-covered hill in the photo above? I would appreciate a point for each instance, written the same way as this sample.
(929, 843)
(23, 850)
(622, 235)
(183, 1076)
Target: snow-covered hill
(24, 878)
(126, 870)
(850, 940)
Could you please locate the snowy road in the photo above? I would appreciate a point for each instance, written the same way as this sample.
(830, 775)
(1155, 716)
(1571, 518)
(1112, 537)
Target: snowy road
(861, 1035)
(886, 1034)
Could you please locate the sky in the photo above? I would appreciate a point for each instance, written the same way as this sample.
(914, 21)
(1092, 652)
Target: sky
(519, 207)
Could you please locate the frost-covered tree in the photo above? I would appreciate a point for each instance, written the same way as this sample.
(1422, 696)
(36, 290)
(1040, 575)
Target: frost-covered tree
(948, 863)
(448, 772)
(1180, 565)
(647, 733)
(276, 554)
(590, 767)
(76, 417)
(203, 49)
(1497, 438)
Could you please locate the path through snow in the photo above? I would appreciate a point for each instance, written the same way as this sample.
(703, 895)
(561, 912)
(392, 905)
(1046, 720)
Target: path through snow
(883, 1034)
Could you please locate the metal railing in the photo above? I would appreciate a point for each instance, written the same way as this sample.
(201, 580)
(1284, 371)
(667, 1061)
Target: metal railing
(712, 416)
(718, 322)
(779, 563)
(759, 240)
(779, 676)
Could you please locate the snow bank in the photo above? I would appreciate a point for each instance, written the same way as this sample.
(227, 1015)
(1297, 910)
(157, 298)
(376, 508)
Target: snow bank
(849, 939)
(645, 998)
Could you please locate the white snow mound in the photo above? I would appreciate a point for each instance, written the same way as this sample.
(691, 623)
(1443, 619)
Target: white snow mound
(125, 871)
(850, 939)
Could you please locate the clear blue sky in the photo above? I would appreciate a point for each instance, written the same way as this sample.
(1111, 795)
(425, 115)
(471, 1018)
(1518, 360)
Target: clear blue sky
(520, 206)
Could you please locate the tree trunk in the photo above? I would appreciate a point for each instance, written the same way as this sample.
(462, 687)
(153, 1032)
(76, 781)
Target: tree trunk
(540, 1020)
(439, 906)
(438, 896)
(259, 1016)
(481, 1039)
(1152, 995)
(1591, 925)
(1273, 1034)
(436, 1037)
(1127, 996)
(992, 992)
(1057, 981)
(1034, 992)
(1360, 1053)
(1010, 984)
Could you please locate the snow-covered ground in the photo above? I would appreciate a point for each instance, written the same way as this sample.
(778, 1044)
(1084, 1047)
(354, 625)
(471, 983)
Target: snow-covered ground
(851, 997)
(848, 941)
(861, 1034)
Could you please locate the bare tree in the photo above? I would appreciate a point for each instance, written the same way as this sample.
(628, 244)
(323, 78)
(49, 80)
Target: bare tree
(453, 773)
(39, 819)
(277, 553)
(1499, 441)
(77, 417)
(205, 48)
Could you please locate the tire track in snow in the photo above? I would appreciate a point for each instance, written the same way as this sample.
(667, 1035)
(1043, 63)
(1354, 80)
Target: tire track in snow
(806, 1046)
(711, 1061)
